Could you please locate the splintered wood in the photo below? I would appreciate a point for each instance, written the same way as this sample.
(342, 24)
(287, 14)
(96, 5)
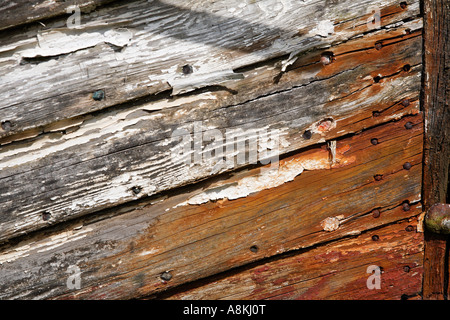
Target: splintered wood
(210, 149)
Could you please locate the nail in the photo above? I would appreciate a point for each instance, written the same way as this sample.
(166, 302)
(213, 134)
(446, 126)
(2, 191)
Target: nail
(307, 134)
(376, 213)
(378, 46)
(136, 190)
(46, 216)
(98, 95)
(374, 141)
(166, 276)
(375, 238)
(406, 268)
(403, 5)
(254, 249)
(407, 166)
(405, 102)
(376, 79)
(409, 228)
(187, 69)
(406, 67)
(378, 177)
(405, 206)
(6, 125)
(376, 113)
(408, 125)
(326, 58)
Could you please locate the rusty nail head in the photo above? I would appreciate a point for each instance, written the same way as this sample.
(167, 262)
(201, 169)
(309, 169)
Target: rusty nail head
(403, 5)
(376, 113)
(378, 177)
(374, 141)
(437, 218)
(405, 102)
(406, 268)
(409, 228)
(254, 249)
(166, 276)
(378, 46)
(408, 125)
(307, 134)
(375, 238)
(376, 213)
(405, 206)
(407, 165)
(326, 58)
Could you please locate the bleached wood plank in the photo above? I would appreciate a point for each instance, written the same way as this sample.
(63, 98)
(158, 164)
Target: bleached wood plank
(135, 49)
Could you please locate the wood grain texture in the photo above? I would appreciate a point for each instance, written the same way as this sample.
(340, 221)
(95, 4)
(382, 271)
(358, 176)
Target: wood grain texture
(337, 270)
(89, 163)
(436, 95)
(18, 12)
(124, 256)
(136, 49)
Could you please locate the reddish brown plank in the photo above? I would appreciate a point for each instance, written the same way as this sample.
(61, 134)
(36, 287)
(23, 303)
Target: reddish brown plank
(337, 270)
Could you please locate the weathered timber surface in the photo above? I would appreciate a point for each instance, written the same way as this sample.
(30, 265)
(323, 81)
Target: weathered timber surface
(92, 162)
(436, 95)
(314, 201)
(133, 49)
(338, 270)
(19, 12)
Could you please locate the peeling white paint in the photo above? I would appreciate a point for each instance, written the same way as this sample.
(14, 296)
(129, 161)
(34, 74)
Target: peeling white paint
(324, 29)
(267, 179)
(56, 42)
(151, 251)
(331, 223)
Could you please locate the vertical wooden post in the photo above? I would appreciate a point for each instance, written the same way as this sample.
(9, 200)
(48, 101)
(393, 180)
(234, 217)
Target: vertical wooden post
(436, 92)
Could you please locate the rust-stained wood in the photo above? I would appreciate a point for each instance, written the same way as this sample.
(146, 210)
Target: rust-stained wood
(93, 162)
(337, 270)
(136, 49)
(124, 256)
(90, 179)
(436, 95)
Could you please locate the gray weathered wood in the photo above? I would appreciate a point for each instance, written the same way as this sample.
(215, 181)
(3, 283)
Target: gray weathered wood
(136, 49)
(19, 12)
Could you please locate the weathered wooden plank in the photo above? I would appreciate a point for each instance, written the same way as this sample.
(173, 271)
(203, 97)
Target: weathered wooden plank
(338, 270)
(307, 203)
(436, 95)
(19, 12)
(135, 49)
(90, 163)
